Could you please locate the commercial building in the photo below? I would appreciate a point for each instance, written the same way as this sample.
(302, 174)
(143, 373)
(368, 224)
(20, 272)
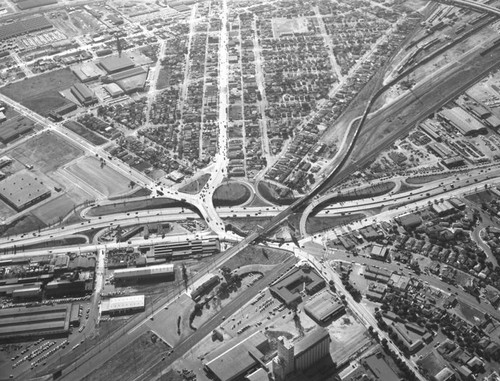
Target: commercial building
(16, 323)
(115, 64)
(157, 273)
(288, 288)
(443, 208)
(377, 366)
(234, 361)
(324, 306)
(378, 252)
(123, 305)
(293, 357)
(20, 27)
(466, 123)
(21, 190)
(409, 221)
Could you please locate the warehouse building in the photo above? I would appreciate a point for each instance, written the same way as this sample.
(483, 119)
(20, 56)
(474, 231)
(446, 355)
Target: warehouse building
(157, 273)
(83, 94)
(466, 123)
(123, 305)
(87, 71)
(17, 323)
(378, 252)
(14, 128)
(233, 362)
(293, 357)
(288, 288)
(324, 306)
(21, 190)
(115, 64)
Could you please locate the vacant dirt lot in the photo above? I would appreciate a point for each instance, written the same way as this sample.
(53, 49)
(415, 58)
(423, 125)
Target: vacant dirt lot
(105, 180)
(46, 152)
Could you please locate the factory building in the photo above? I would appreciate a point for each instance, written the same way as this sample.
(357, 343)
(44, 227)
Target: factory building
(157, 273)
(466, 123)
(25, 322)
(171, 251)
(294, 357)
(123, 305)
(116, 64)
(21, 190)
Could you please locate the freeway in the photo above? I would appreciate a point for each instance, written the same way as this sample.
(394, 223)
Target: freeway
(472, 5)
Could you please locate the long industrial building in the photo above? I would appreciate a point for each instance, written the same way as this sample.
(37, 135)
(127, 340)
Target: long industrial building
(158, 273)
(34, 321)
(172, 251)
(466, 123)
(123, 305)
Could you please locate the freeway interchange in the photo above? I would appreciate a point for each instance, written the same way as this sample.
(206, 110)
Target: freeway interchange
(389, 206)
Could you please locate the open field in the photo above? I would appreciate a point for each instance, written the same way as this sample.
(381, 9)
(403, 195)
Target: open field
(103, 179)
(46, 152)
(22, 225)
(431, 364)
(197, 185)
(406, 188)
(6, 211)
(85, 133)
(41, 93)
(288, 26)
(257, 255)
(230, 194)
(317, 224)
(480, 197)
(54, 210)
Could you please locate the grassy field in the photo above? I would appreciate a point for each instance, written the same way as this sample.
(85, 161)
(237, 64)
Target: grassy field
(480, 197)
(85, 133)
(130, 206)
(406, 188)
(46, 152)
(425, 179)
(318, 224)
(24, 224)
(197, 185)
(230, 194)
(51, 211)
(127, 364)
(105, 180)
(41, 93)
(257, 255)
(431, 364)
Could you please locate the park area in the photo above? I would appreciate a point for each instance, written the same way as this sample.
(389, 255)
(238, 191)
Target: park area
(45, 152)
(231, 194)
(102, 178)
(41, 93)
